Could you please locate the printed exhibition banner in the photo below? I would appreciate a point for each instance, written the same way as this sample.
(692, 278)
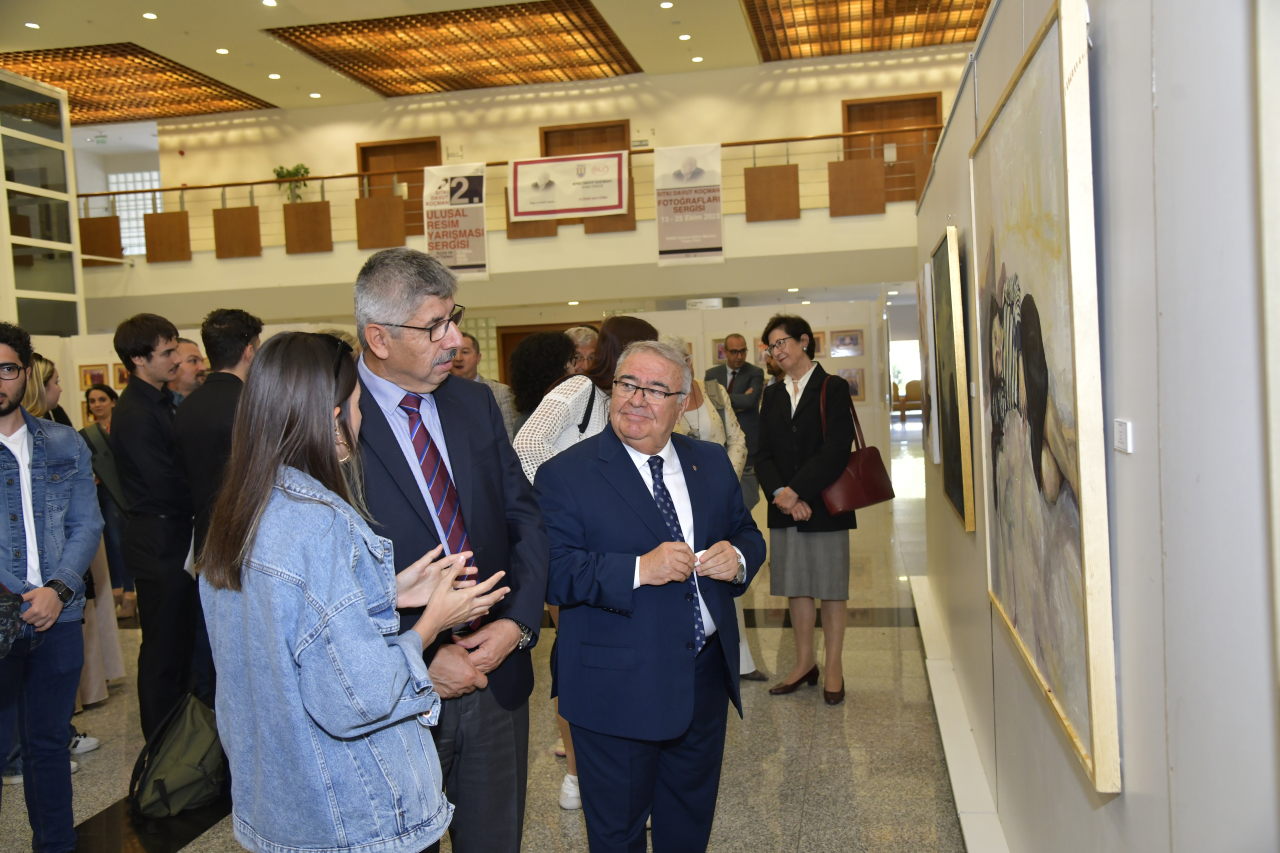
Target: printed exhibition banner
(687, 183)
(556, 187)
(453, 207)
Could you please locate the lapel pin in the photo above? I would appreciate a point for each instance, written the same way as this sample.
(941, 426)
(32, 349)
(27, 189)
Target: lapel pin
(695, 467)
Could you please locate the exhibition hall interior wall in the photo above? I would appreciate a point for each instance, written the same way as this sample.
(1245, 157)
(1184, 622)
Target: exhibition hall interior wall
(1191, 582)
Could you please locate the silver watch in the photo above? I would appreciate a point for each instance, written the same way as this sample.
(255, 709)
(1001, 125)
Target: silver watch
(742, 572)
(526, 636)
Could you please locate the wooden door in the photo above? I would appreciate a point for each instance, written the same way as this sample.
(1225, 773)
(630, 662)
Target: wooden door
(509, 336)
(409, 155)
(914, 149)
(590, 138)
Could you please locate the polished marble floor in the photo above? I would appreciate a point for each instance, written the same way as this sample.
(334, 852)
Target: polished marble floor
(868, 775)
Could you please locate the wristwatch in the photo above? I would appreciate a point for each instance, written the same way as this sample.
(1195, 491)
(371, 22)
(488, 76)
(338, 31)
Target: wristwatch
(64, 592)
(526, 636)
(742, 572)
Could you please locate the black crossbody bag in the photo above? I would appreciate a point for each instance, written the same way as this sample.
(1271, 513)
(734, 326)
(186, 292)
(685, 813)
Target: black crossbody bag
(10, 619)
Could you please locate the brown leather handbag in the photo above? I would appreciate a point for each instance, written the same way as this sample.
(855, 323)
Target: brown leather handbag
(864, 481)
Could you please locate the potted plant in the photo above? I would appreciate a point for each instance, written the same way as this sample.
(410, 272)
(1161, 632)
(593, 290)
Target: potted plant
(294, 187)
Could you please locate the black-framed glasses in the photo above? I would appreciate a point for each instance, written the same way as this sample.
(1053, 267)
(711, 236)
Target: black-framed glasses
(436, 331)
(777, 345)
(742, 351)
(9, 370)
(655, 394)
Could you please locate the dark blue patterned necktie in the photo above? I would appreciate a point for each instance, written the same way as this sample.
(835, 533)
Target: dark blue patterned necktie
(663, 498)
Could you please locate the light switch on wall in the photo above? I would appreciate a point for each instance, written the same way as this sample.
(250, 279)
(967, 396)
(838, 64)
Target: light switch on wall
(1123, 440)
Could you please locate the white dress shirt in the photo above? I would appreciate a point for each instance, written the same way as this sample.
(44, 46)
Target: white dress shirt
(673, 479)
(18, 445)
(795, 393)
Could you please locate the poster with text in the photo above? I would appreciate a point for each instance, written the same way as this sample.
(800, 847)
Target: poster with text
(686, 181)
(453, 200)
(555, 187)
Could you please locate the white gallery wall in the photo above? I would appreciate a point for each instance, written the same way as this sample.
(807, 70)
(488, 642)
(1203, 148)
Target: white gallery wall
(1176, 205)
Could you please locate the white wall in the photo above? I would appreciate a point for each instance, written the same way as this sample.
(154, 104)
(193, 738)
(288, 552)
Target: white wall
(1189, 538)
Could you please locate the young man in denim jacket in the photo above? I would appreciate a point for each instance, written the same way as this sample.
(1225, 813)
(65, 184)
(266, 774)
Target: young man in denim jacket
(53, 531)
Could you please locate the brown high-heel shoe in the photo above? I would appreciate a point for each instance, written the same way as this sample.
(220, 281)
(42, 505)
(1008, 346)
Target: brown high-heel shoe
(810, 678)
(833, 697)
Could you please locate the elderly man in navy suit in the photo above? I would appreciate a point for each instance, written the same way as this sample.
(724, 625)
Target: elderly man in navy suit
(650, 543)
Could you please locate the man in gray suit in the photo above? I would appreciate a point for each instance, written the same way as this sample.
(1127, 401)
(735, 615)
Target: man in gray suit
(744, 382)
(466, 365)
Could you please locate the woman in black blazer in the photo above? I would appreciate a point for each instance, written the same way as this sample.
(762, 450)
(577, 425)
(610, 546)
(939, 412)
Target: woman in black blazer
(808, 547)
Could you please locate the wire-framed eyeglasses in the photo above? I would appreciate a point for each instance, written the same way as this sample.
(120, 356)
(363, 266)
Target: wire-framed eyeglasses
(656, 395)
(436, 331)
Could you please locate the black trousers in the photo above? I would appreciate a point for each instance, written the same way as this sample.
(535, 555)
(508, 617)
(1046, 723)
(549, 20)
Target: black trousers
(154, 551)
(484, 758)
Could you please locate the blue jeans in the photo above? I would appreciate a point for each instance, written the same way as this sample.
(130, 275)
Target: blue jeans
(112, 534)
(38, 683)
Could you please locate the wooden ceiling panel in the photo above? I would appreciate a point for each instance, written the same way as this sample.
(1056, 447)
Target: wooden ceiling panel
(553, 41)
(800, 29)
(125, 82)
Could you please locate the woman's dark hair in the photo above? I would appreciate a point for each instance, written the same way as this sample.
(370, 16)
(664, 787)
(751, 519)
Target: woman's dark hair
(795, 327)
(137, 337)
(285, 417)
(536, 363)
(105, 389)
(616, 334)
(226, 332)
(1035, 375)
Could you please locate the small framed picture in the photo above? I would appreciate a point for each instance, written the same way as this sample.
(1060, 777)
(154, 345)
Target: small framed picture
(86, 417)
(856, 378)
(819, 344)
(847, 343)
(761, 351)
(717, 351)
(119, 377)
(92, 374)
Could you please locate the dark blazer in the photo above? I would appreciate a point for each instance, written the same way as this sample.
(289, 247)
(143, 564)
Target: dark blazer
(792, 451)
(746, 406)
(497, 505)
(202, 428)
(623, 662)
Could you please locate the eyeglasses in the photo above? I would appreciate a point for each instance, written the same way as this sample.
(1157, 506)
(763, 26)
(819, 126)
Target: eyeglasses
(9, 370)
(578, 358)
(436, 331)
(777, 345)
(742, 351)
(657, 395)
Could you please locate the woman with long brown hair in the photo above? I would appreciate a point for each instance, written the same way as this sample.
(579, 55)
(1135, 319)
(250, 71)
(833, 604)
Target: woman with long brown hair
(322, 709)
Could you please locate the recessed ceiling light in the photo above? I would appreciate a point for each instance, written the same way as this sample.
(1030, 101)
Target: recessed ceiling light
(222, 50)
(573, 303)
(902, 577)
(890, 302)
(804, 302)
(315, 94)
(893, 293)
(150, 16)
(685, 38)
(268, 2)
(697, 59)
(793, 290)
(273, 76)
(666, 5)
(34, 26)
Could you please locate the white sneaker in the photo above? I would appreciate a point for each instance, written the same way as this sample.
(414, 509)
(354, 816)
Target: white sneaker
(570, 796)
(82, 743)
(13, 780)
(75, 767)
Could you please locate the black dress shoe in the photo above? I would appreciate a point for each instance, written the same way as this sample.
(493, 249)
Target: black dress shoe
(810, 678)
(754, 675)
(833, 697)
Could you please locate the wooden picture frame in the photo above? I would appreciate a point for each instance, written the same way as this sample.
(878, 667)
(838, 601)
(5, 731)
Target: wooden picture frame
(718, 355)
(92, 374)
(819, 344)
(857, 379)
(848, 343)
(119, 377)
(950, 324)
(1037, 313)
(760, 351)
(86, 417)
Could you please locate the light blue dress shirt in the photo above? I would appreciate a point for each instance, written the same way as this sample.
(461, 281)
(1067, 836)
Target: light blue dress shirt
(388, 396)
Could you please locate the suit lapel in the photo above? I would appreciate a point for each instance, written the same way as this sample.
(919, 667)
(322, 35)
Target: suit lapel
(694, 481)
(621, 473)
(457, 439)
(377, 437)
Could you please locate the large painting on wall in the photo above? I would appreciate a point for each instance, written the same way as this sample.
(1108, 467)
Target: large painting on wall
(1042, 430)
(950, 324)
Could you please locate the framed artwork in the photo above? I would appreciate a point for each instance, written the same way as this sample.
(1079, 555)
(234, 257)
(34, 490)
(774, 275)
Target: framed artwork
(760, 350)
(86, 417)
(1043, 437)
(819, 344)
(119, 377)
(717, 351)
(847, 343)
(857, 379)
(92, 374)
(950, 325)
(928, 377)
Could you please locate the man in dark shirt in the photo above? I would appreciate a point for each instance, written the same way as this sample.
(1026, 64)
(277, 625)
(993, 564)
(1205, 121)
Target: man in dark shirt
(203, 424)
(157, 536)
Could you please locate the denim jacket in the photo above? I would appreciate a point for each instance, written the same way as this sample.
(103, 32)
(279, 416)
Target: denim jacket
(322, 709)
(64, 500)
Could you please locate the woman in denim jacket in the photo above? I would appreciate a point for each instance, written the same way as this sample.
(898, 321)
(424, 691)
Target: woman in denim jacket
(322, 709)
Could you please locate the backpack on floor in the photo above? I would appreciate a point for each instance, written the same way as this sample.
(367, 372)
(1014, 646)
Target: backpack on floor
(182, 765)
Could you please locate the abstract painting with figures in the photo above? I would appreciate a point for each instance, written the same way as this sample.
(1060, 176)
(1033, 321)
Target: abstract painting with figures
(847, 343)
(92, 374)
(717, 351)
(119, 377)
(856, 378)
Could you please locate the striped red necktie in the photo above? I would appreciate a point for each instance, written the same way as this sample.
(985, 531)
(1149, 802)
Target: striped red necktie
(444, 497)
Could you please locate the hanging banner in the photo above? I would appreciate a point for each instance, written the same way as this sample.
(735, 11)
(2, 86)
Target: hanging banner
(453, 209)
(687, 183)
(556, 187)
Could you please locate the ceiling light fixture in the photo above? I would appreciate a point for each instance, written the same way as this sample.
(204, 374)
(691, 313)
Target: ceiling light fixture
(793, 290)
(573, 303)
(893, 293)
(222, 50)
(33, 26)
(150, 16)
(268, 2)
(902, 577)
(273, 76)
(315, 94)
(890, 302)
(685, 38)
(666, 5)
(697, 59)
(804, 302)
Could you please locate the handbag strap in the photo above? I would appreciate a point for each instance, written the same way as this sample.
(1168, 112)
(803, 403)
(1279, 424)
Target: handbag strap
(591, 402)
(859, 441)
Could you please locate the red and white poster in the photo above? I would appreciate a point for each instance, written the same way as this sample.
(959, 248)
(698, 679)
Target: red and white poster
(686, 182)
(453, 207)
(556, 187)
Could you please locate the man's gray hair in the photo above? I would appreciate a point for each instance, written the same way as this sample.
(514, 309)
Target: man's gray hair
(392, 284)
(680, 345)
(582, 335)
(662, 350)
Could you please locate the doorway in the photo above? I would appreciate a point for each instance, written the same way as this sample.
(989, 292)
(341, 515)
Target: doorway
(407, 156)
(907, 154)
(509, 336)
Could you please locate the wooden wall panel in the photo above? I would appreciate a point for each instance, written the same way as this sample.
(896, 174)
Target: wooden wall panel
(307, 228)
(409, 156)
(100, 236)
(773, 192)
(856, 187)
(620, 222)
(525, 230)
(168, 236)
(236, 232)
(379, 222)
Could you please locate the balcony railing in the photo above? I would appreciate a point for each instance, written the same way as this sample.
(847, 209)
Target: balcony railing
(192, 229)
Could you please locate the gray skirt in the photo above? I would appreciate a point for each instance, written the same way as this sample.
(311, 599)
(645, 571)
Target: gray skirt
(809, 565)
